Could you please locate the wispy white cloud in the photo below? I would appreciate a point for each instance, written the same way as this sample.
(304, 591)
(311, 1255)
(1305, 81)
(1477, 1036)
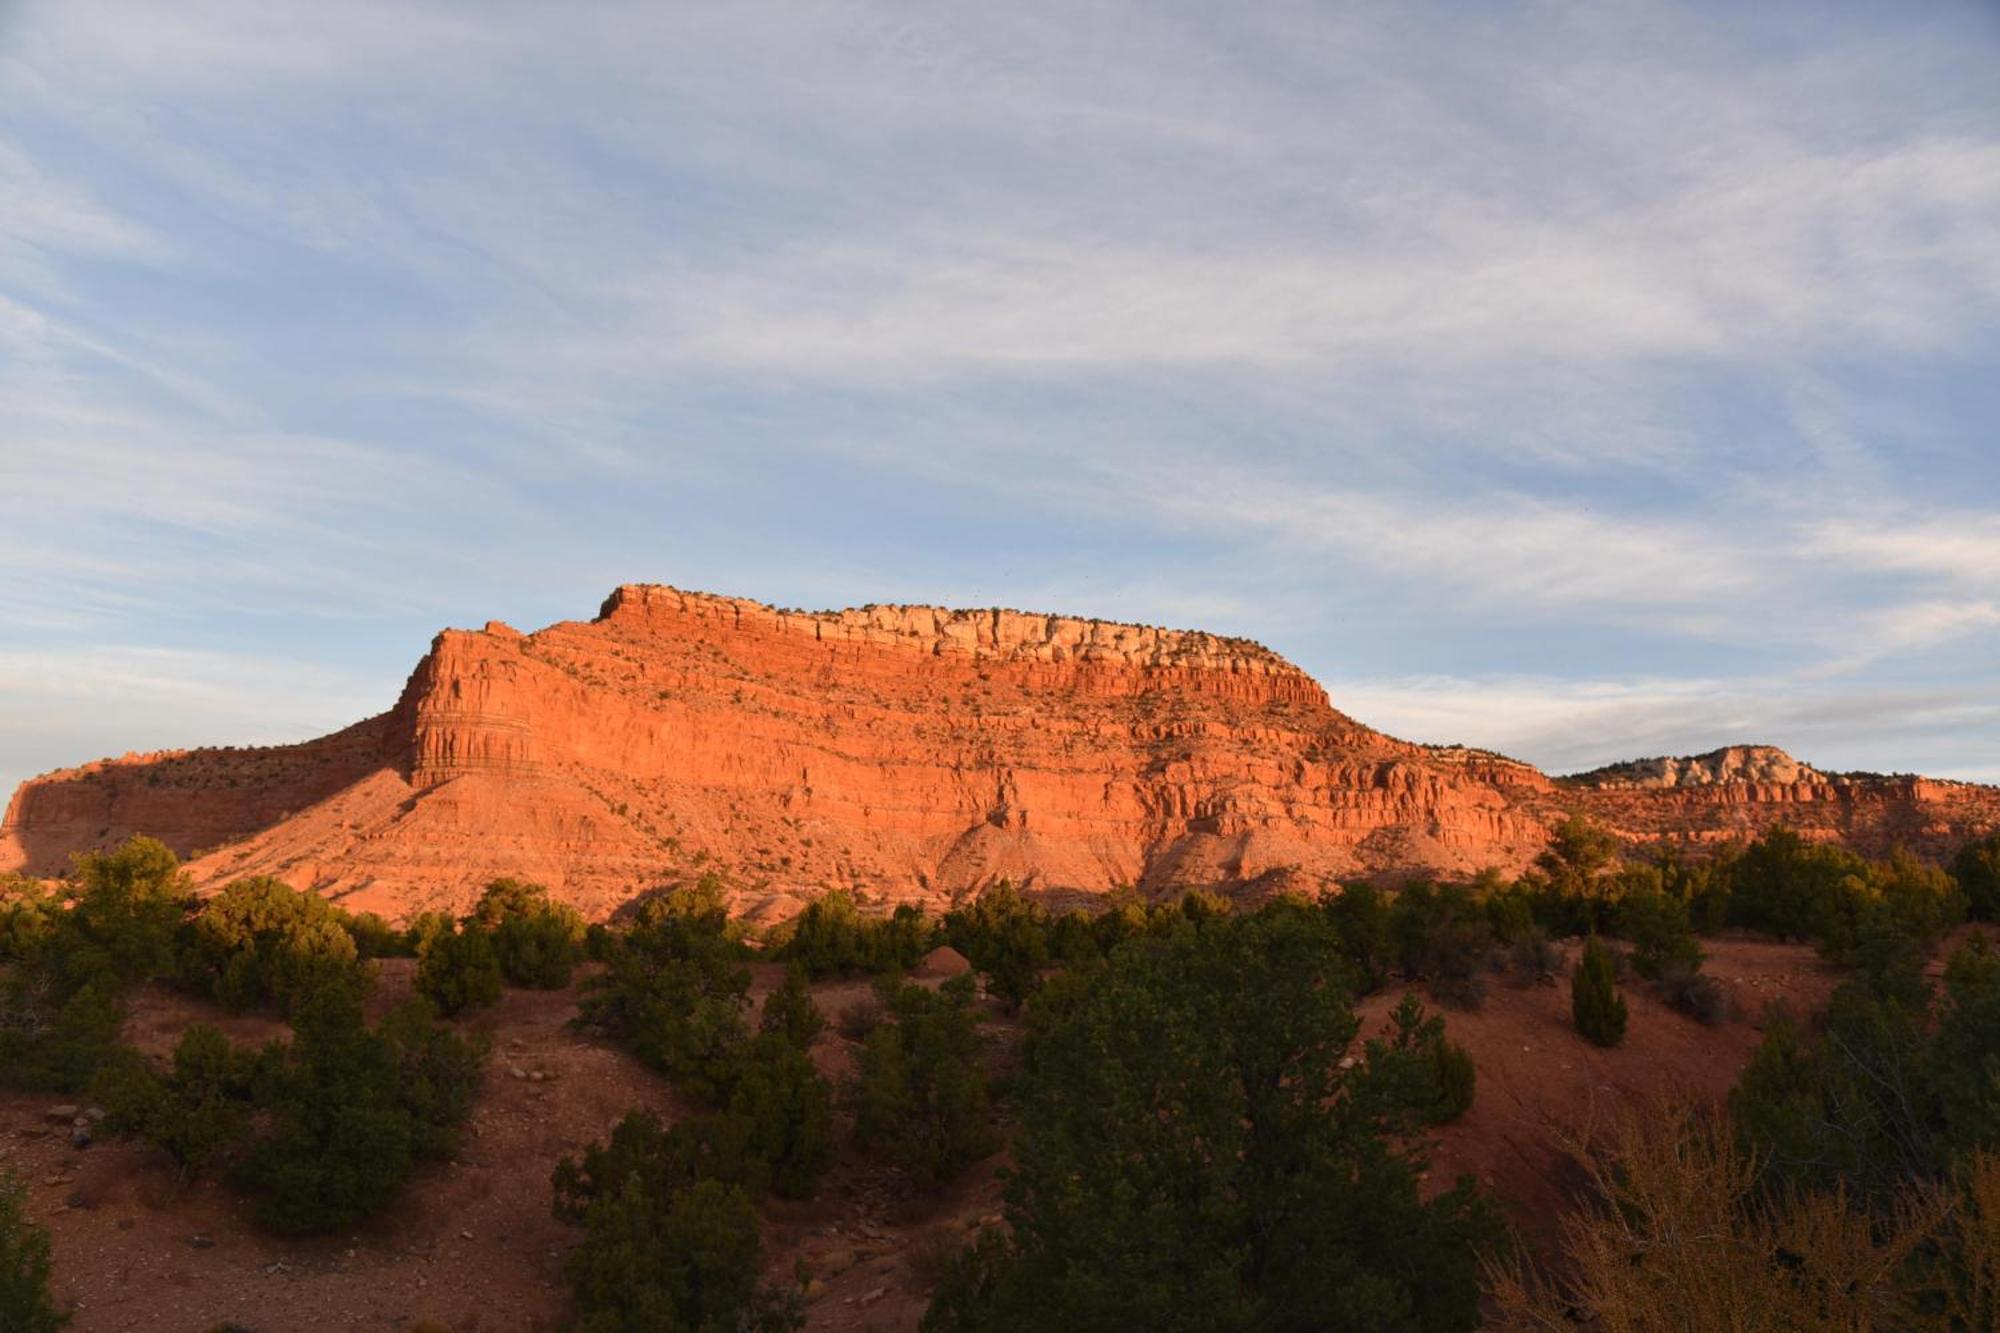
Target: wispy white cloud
(1567, 724)
(1961, 546)
(63, 707)
(1600, 320)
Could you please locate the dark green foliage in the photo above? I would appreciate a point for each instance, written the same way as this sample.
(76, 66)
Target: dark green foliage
(1900, 1083)
(1579, 852)
(54, 1038)
(375, 938)
(438, 1072)
(919, 1093)
(1573, 878)
(671, 1237)
(1888, 916)
(126, 907)
(537, 941)
(1366, 930)
(688, 1260)
(788, 1108)
(1419, 1068)
(340, 1142)
(1444, 939)
(261, 943)
(1977, 870)
(707, 1147)
(30, 916)
(198, 1111)
(26, 1304)
(1073, 938)
(350, 1111)
(1193, 1156)
(1595, 1004)
(458, 968)
(1661, 934)
(1004, 936)
(833, 938)
(675, 990)
(790, 1012)
(1788, 887)
(1965, 1049)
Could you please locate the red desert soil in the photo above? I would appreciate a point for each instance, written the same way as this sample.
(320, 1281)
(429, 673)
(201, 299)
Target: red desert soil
(472, 1245)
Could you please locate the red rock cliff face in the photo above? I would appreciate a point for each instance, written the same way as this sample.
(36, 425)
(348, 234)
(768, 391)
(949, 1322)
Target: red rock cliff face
(911, 752)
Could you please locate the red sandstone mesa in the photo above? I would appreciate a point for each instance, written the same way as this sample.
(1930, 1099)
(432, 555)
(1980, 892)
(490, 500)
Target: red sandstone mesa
(911, 751)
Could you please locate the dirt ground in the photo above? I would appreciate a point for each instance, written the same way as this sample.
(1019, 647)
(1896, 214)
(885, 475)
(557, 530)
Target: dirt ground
(472, 1245)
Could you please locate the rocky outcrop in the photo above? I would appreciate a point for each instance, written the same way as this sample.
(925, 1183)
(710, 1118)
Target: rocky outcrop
(910, 752)
(1765, 764)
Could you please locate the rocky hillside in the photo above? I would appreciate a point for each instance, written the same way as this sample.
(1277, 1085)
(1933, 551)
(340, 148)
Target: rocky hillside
(912, 752)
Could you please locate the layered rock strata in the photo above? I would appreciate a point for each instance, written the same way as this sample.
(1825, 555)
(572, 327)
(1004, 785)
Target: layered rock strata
(909, 752)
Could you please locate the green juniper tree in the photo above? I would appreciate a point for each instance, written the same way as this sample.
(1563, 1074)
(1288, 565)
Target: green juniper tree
(1595, 1004)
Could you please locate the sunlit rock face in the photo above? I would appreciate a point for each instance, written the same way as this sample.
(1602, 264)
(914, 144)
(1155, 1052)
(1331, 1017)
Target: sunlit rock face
(915, 753)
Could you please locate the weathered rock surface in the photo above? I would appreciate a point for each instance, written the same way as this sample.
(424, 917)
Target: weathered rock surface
(911, 752)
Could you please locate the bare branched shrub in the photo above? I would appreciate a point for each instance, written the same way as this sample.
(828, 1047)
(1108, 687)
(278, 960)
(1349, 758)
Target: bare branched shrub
(1678, 1238)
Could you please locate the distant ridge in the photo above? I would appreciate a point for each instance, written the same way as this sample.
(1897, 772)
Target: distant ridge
(913, 753)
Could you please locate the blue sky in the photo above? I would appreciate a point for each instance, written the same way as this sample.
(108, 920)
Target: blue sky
(1586, 381)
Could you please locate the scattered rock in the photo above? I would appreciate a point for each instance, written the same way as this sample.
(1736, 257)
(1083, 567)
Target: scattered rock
(61, 1114)
(872, 1296)
(201, 1242)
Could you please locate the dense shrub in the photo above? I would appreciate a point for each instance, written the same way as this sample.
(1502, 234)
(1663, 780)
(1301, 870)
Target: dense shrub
(126, 906)
(665, 1158)
(1444, 939)
(349, 1112)
(1193, 1156)
(1415, 1066)
(1533, 958)
(197, 1111)
(457, 968)
(788, 1108)
(54, 1038)
(1005, 937)
(30, 916)
(1695, 994)
(376, 938)
(1661, 934)
(1900, 1082)
(1787, 887)
(261, 942)
(667, 1246)
(537, 941)
(438, 1071)
(26, 1304)
(919, 1092)
(790, 1012)
(1595, 1004)
(1365, 929)
(1977, 870)
(833, 938)
(675, 990)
